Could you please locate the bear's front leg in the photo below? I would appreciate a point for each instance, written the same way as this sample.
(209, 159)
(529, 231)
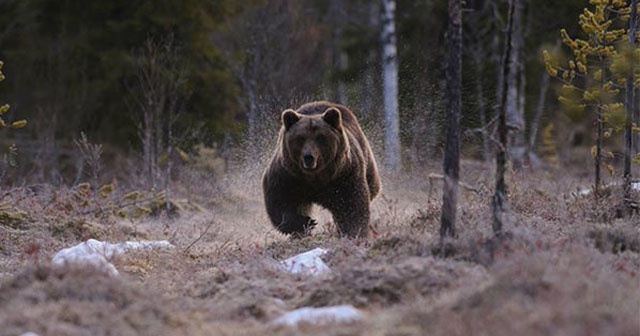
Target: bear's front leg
(287, 213)
(350, 209)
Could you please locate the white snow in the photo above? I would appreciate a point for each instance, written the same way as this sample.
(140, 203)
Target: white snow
(307, 263)
(97, 253)
(323, 315)
(582, 192)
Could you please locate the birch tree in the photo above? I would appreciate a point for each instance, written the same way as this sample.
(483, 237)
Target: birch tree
(451, 164)
(159, 92)
(371, 73)
(540, 107)
(516, 82)
(390, 87)
(339, 57)
(501, 157)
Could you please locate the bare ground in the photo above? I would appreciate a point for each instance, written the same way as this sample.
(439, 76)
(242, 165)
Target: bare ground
(566, 266)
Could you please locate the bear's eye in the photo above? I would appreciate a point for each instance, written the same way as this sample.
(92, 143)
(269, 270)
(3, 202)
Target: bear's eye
(321, 139)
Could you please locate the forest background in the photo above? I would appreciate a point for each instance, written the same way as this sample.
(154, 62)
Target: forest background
(156, 79)
(153, 120)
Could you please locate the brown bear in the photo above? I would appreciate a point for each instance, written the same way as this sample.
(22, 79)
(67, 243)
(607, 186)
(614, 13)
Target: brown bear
(322, 157)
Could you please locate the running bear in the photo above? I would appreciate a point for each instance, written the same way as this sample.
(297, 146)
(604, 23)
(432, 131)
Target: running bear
(322, 157)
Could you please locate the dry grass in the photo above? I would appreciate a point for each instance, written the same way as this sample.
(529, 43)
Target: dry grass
(566, 266)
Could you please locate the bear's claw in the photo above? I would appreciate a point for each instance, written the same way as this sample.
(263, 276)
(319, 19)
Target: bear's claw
(295, 223)
(311, 223)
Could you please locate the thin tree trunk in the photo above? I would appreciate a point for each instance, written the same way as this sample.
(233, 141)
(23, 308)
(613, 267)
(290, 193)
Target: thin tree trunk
(599, 137)
(516, 82)
(452, 141)
(339, 58)
(390, 85)
(636, 120)
(167, 178)
(249, 82)
(370, 72)
(497, 57)
(629, 102)
(542, 97)
(147, 144)
(158, 137)
(636, 108)
(480, 101)
(501, 157)
(514, 119)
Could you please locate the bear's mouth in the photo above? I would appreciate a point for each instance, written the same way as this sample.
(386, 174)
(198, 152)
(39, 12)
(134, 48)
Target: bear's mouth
(309, 162)
(309, 166)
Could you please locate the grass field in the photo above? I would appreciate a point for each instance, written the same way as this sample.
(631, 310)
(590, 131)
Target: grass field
(566, 266)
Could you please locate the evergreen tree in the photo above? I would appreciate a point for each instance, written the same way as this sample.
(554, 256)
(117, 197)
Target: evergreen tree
(76, 59)
(5, 108)
(595, 76)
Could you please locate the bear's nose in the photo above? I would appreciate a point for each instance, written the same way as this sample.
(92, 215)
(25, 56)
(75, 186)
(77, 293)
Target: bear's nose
(308, 161)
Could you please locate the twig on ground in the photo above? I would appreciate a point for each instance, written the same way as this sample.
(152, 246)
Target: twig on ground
(211, 222)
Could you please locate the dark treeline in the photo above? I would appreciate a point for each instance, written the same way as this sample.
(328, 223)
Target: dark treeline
(78, 66)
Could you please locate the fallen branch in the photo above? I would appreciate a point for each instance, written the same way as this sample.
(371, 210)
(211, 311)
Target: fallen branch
(434, 176)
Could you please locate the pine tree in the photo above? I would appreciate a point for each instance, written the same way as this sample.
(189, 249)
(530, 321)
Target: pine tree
(5, 108)
(595, 75)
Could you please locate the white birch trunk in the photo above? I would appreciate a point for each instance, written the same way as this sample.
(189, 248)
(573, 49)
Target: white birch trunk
(390, 87)
(478, 56)
(369, 87)
(516, 92)
(515, 106)
(339, 57)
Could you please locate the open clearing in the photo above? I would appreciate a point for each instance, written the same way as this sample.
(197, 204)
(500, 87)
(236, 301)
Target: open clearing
(565, 267)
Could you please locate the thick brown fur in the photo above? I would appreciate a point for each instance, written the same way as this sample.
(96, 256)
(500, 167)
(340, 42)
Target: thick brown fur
(322, 157)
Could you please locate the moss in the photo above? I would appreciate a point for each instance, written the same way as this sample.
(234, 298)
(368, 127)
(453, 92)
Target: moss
(77, 229)
(14, 219)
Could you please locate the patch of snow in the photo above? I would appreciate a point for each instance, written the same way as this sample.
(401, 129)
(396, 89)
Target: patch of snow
(307, 263)
(582, 192)
(323, 315)
(29, 333)
(635, 185)
(97, 253)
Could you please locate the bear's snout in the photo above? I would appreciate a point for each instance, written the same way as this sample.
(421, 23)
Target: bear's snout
(309, 161)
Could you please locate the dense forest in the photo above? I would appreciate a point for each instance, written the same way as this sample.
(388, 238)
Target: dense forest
(220, 72)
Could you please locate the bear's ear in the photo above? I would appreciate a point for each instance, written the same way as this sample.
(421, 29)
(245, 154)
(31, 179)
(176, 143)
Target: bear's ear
(289, 118)
(333, 117)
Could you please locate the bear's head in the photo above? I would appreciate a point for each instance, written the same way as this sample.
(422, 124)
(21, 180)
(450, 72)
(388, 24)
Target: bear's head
(311, 143)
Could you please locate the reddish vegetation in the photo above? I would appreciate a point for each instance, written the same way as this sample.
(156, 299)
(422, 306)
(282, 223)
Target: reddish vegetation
(565, 266)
